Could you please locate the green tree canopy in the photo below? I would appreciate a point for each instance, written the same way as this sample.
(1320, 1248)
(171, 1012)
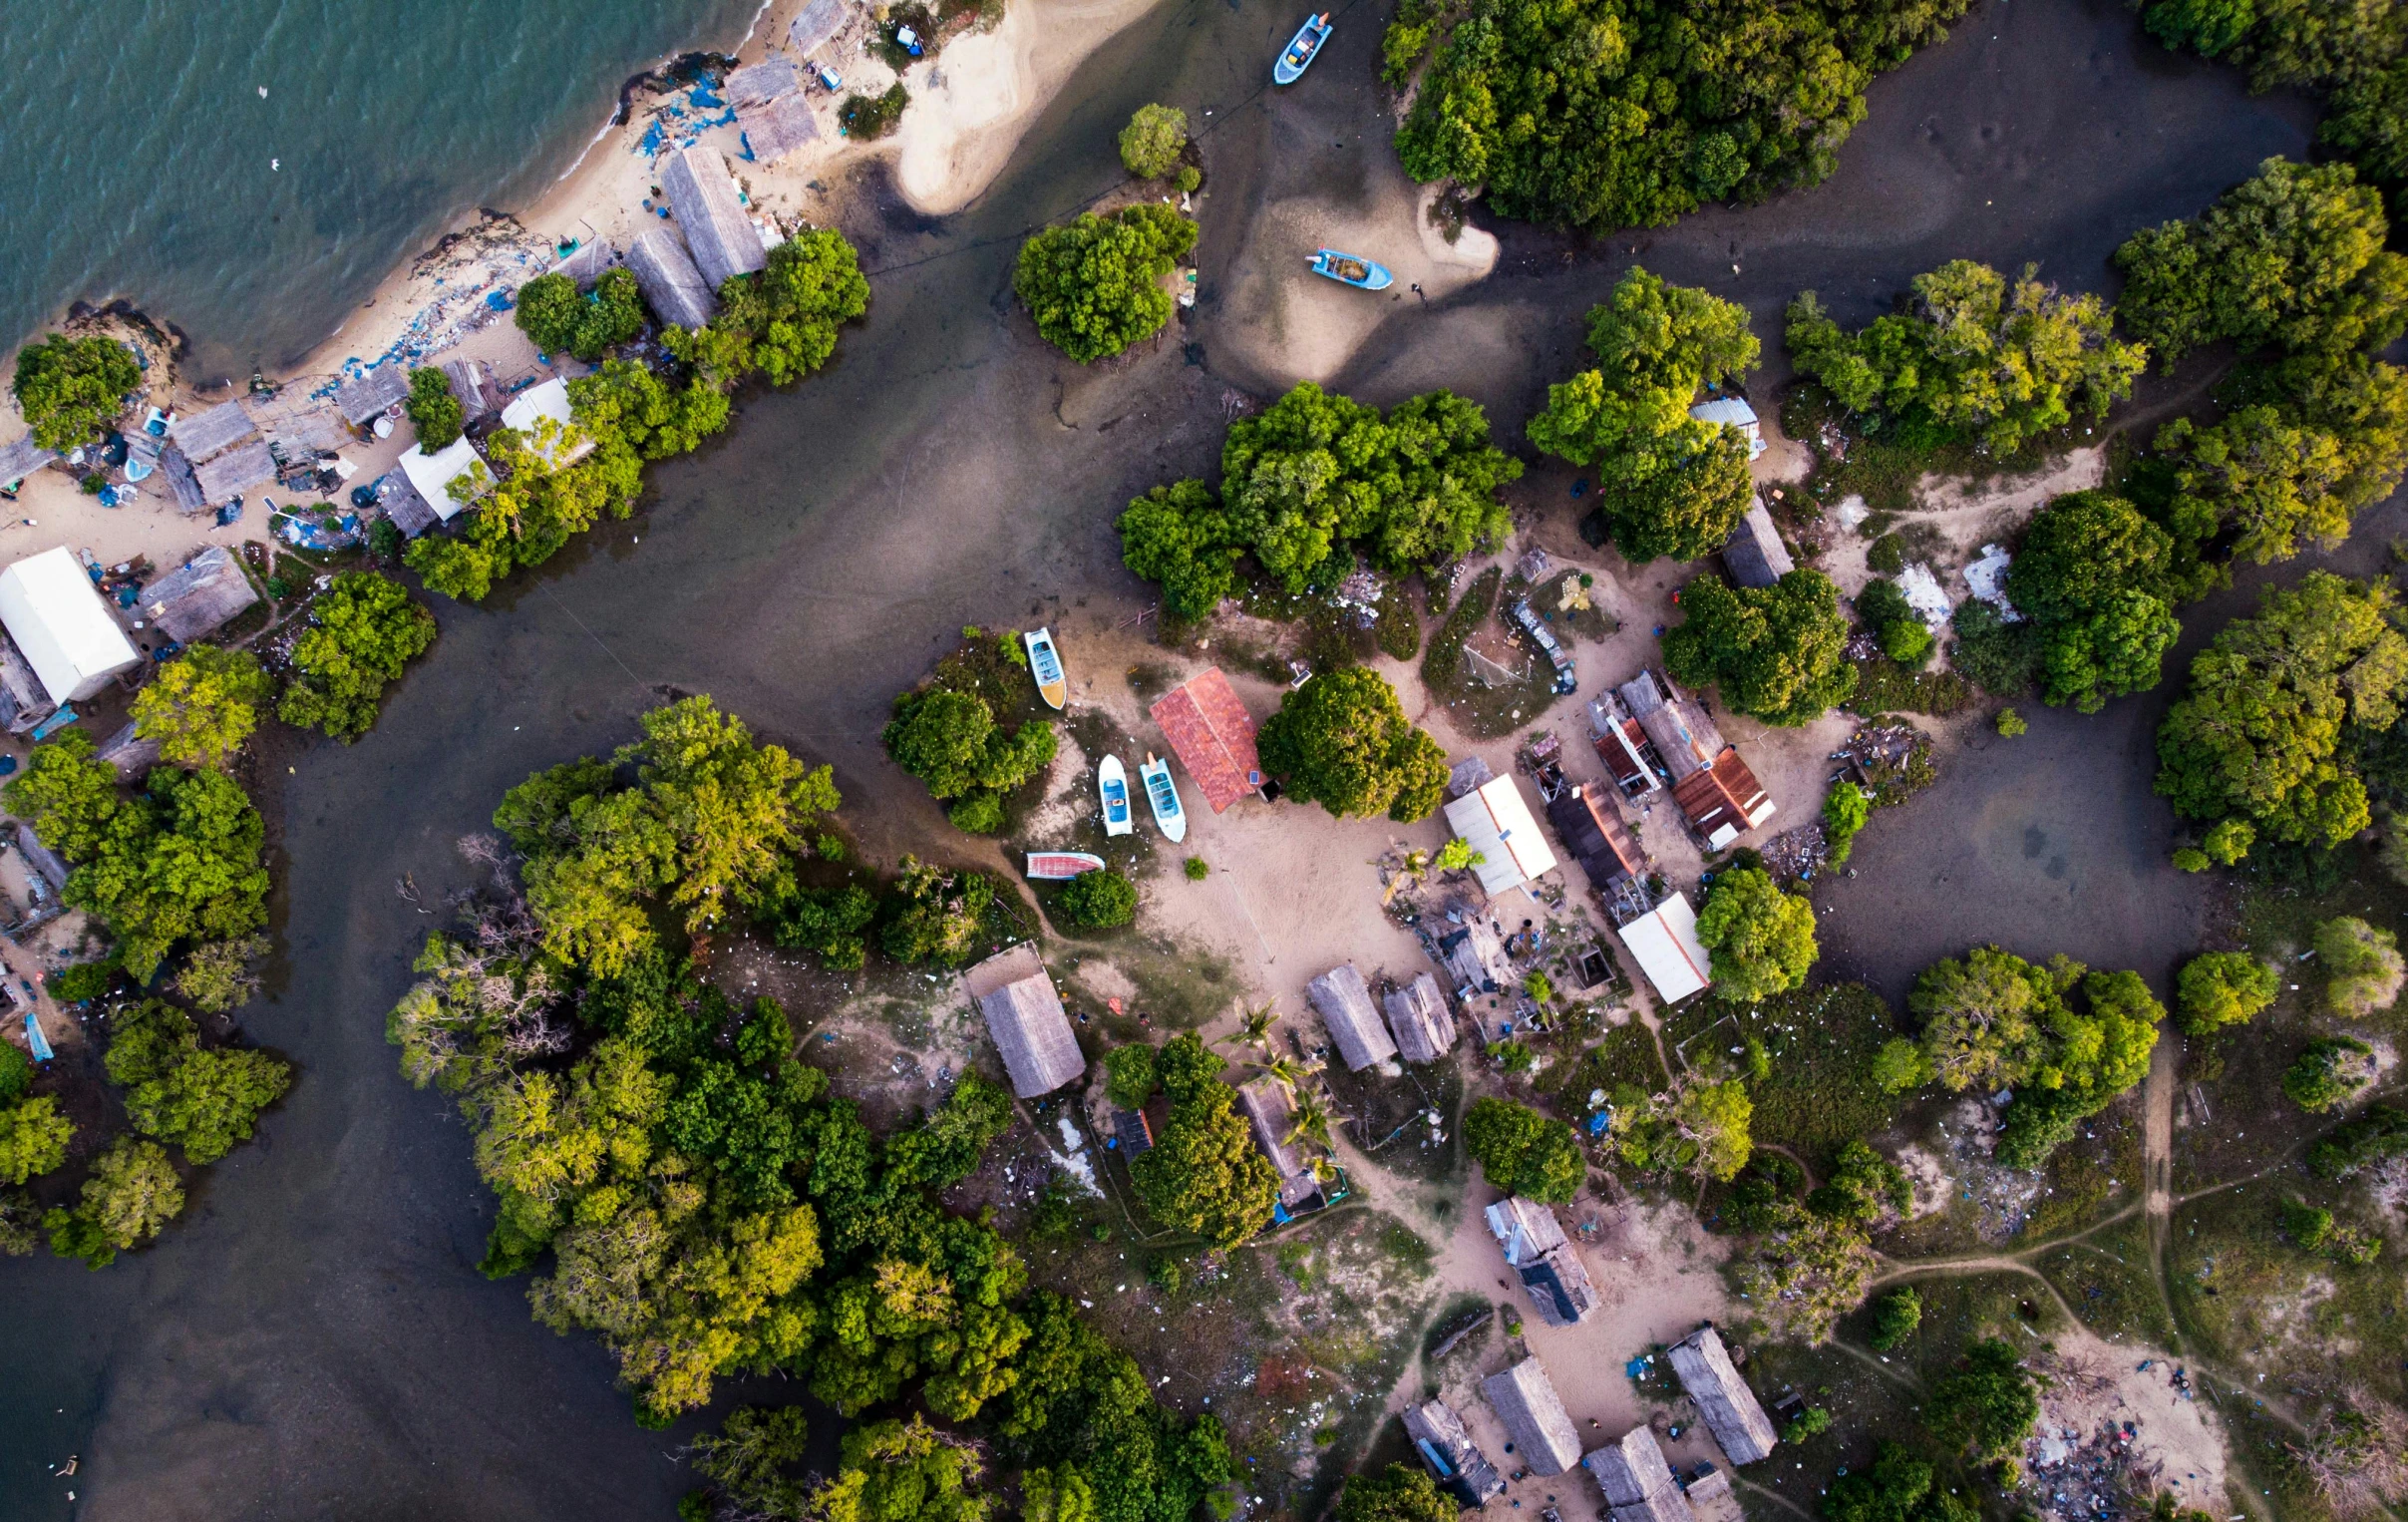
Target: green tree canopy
(33, 1138)
(1152, 141)
(434, 411)
(1778, 653)
(789, 313)
(1099, 899)
(894, 1471)
(1761, 939)
(2363, 969)
(630, 403)
(2293, 258)
(1716, 1117)
(1205, 1174)
(2329, 1073)
(131, 1194)
(71, 389)
(363, 631)
(203, 705)
(1095, 286)
(1523, 1152)
(1975, 359)
(1897, 1487)
(949, 739)
(178, 863)
(1895, 1317)
(1988, 1406)
(1596, 116)
(746, 1461)
(1985, 1018)
(202, 1099)
(1342, 740)
(2098, 580)
(1669, 485)
(1180, 536)
(2263, 731)
(1398, 1493)
(558, 319)
(2220, 989)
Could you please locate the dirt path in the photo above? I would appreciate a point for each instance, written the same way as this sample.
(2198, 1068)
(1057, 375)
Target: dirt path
(2157, 1148)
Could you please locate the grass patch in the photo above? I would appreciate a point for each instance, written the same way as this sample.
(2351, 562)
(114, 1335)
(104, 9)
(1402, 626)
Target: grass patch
(1850, 460)
(1820, 1095)
(1885, 686)
(1625, 1058)
(1487, 714)
(866, 118)
(1397, 630)
(2106, 1278)
(2096, 1173)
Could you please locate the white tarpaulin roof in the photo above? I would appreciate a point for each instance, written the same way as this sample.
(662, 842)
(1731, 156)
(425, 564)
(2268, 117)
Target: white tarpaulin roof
(1499, 825)
(1670, 953)
(1733, 412)
(431, 474)
(49, 605)
(550, 400)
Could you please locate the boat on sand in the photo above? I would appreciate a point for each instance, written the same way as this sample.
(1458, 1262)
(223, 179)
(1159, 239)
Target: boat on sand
(1162, 794)
(1351, 269)
(1045, 664)
(1060, 865)
(1302, 49)
(1113, 783)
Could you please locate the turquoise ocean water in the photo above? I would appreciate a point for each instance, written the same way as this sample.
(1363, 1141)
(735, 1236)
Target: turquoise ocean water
(136, 148)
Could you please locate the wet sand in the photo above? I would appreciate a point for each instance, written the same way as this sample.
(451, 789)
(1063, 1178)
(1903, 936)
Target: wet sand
(314, 1339)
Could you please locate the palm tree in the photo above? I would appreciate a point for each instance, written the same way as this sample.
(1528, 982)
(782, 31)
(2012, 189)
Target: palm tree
(1256, 1028)
(1415, 870)
(1311, 1117)
(1288, 1072)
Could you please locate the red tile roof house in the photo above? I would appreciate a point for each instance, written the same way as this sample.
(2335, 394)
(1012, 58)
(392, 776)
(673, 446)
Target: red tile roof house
(1214, 735)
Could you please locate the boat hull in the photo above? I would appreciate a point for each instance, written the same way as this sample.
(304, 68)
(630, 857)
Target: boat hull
(1161, 796)
(1061, 866)
(1376, 277)
(1113, 784)
(1302, 49)
(1045, 664)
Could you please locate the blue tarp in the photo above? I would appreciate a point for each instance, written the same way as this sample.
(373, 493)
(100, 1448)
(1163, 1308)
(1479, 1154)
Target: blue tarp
(56, 722)
(34, 1039)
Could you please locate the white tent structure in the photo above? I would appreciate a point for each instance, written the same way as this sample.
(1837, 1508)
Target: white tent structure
(432, 475)
(550, 400)
(49, 606)
(1670, 953)
(1499, 826)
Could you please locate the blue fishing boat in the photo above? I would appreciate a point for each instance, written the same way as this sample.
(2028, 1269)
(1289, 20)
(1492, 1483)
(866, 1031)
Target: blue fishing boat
(1347, 269)
(1113, 783)
(1162, 794)
(1045, 664)
(1302, 49)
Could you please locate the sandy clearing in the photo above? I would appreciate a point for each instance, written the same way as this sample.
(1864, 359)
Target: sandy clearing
(2094, 1387)
(972, 104)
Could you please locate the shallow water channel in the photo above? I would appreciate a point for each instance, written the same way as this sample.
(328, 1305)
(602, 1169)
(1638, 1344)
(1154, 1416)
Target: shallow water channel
(314, 1340)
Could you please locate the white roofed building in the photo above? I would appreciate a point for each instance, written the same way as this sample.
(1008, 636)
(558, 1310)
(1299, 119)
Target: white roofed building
(1499, 825)
(1733, 412)
(58, 620)
(1664, 941)
(529, 408)
(432, 475)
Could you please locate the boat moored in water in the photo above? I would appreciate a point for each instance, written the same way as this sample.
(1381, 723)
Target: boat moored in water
(1045, 664)
(1302, 49)
(1351, 269)
(1113, 783)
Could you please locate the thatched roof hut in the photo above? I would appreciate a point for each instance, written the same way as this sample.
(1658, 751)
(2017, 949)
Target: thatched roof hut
(1729, 1407)
(672, 286)
(1755, 554)
(361, 399)
(1025, 1018)
(702, 196)
(1354, 1021)
(1423, 1025)
(1525, 1399)
(236, 471)
(1448, 1452)
(1710, 1498)
(22, 459)
(129, 753)
(779, 128)
(473, 384)
(587, 263)
(296, 427)
(1474, 955)
(761, 82)
(1272, 1111)
(820, 21)
(183, 485)
(1638, 1482)
(1549, 1267)
(201, 595)
(398, 497)
(203, 434)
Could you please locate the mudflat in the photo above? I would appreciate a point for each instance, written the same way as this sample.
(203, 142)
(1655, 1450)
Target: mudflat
(314, 1339)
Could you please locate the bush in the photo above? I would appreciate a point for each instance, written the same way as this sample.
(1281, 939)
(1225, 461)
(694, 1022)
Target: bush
(363, 632)
(2362, 964)
(84, 981)
(434, 411)
(1095, 286)
(2330, 1074)
(1900, 1068)
(1886, 555)
(1895, 1317)
(2001, 658)
(133, 1191)
(1777, 653)
(1342, 740)
(1761, 941)
(866, 118)
(1153, 140)
(1190, 180)
(1098, 901)
(2220, 989)
(2190, 859)
(1197, 869)
(1129, 1077)
(1523, 1152)
(2010, 723)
